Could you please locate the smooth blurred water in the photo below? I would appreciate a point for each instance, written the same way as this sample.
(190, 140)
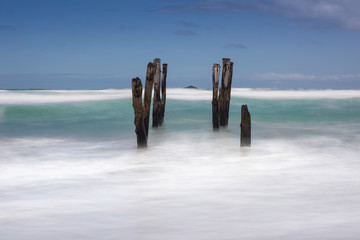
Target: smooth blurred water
(70, 169)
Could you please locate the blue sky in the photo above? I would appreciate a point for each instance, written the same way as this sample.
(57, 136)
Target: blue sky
(92, 44)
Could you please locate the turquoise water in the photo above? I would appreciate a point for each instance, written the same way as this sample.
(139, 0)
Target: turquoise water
(113, 119)
(70, 169)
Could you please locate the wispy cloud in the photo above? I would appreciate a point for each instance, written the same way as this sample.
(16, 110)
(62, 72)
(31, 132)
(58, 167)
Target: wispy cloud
(312, 27)
(194, 25)
(6, 27)
(341, 13)
(188, 24)
(185, 33)
(305, 77)
(284, 76)
(235, 45)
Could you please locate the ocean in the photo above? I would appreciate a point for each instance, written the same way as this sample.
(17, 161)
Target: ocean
(70, 168)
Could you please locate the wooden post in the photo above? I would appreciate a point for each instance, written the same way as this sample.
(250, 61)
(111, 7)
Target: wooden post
(163, 92)
(225, 91)
(136, 87)
(157, 100)
(215, 100)
(228, 94)
(245, 125)
(150, 71)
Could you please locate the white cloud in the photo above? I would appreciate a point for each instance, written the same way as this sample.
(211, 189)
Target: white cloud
(341, 13)
(305, 77)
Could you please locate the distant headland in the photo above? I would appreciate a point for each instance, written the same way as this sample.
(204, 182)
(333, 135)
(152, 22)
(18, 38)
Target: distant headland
(190, 86)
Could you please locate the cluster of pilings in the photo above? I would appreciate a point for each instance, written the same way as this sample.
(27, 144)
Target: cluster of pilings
(142, 109)
(159, 99)
(221, 97)
(220, 101)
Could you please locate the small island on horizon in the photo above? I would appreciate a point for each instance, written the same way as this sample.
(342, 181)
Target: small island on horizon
(191, 87)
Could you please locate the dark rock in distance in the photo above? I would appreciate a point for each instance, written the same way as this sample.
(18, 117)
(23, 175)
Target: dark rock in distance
(191, 87)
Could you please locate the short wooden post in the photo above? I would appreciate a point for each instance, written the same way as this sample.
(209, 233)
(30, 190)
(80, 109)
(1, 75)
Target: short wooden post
(225, 91)
(215, 100)
(150, 71)
(163, 92)
(157, 99)
(245, 125)
(136, 87)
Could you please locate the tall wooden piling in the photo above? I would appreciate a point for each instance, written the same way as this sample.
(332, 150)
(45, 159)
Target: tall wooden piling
(157, 99)
(245, 125)
(136, 87)
(163, 92)
(229, 93)
(215, 99)
(150, 72)
(142, 110)
(225, 91)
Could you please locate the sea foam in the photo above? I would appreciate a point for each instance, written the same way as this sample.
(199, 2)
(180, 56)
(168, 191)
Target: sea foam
(11, 97)
(73, 171)
(60, 96)
(199, 94)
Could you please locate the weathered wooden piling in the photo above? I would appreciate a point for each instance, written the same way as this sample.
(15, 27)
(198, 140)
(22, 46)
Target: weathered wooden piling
(136, 87)
(225, 91)
(157, 99)
(142, 110)
(163, 92)
(229, 93)
(150, 72)
(245, 125)
(215, 99)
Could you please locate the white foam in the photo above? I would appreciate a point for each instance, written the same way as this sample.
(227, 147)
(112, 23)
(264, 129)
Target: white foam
(53, 159)
(188, 94)
(64, 96)
(197, 94)
(61, 96)
(294, 94)
(201, 186)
